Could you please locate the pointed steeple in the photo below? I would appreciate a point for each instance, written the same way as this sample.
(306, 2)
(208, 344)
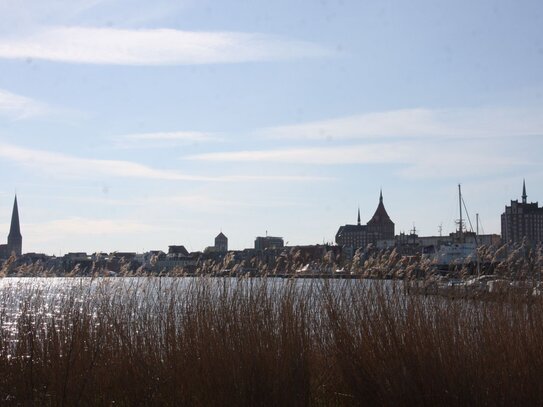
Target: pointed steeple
(15, 239)
(15, 229)
(358, 221)
(380, 225)
(381, 214)
(524, 196)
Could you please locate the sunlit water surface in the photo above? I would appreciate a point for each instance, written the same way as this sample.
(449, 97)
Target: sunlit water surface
(37, 300)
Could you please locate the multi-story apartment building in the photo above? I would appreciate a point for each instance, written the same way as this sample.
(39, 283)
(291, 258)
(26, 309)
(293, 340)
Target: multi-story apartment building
(522, 220)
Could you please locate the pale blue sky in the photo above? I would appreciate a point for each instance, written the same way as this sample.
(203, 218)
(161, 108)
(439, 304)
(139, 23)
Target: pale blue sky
(132, 125)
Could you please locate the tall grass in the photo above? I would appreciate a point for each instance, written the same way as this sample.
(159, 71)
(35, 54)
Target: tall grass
(205, 341)
(520, 261)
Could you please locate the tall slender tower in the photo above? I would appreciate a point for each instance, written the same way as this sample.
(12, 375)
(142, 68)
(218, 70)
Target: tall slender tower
(524, 196)
(15, 239)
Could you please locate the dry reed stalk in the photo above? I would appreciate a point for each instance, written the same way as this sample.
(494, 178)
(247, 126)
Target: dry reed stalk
(223, 341)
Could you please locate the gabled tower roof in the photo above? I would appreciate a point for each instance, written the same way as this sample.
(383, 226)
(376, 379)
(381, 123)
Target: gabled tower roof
(15, 228)
(380, 215)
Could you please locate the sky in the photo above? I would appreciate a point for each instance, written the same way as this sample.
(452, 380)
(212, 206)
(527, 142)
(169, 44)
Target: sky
(134, 125)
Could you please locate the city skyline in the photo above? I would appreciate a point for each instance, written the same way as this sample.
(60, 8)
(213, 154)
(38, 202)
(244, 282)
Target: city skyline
(134, 126)
(378, 231)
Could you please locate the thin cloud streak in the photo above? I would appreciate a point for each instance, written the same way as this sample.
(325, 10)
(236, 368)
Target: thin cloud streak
(67, 229)
(195, 202)
(361, 154)
(420, 122)
(207, 203)
(86, 226)
(113, 46)
(190, 136)
(75, 167)
(415, 159)
(20, 107)
(30, 12)
(164, 139)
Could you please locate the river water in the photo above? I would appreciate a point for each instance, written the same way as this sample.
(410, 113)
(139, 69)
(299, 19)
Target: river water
(36, 301)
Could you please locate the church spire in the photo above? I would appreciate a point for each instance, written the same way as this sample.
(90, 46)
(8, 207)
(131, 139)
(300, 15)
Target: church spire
(15, 229)
(381, 196)
(15, 240)
(358, 222)
(524, 196)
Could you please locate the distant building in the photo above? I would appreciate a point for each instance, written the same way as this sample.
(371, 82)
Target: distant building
(81, 260)
(268, 242)
(413, 243)
(15, 239)
(178, 257)
(352, 235)
(379, 227)
(168, 264)
(220, 247)
(177, 251)
(522, 220)
(221, 243)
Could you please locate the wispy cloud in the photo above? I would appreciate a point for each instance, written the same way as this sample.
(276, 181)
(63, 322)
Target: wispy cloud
(67, 230)
(189, 136)
(420, 122)
(85, 226)
(420, 143)
(360, 154)
(152, 46)
(64, 165)
(22, 14)
(39, 10)
(189, 202)
(208, 203)
(164, 139)
(415, 159)
(20, 107)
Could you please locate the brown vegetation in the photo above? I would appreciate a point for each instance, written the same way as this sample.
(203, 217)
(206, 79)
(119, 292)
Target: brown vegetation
(221, 341)
(513, 262)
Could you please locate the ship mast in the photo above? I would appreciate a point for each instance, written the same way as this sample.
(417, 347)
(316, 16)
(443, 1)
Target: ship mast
(460, 222)
(477, 245)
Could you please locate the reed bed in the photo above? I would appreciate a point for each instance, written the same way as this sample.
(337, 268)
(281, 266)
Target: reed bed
(252, 341)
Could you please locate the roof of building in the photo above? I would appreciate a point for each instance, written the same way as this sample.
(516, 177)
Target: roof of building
(221, 236)
(350, 229)
(178, 249)
(532, 207)
(380, 215)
